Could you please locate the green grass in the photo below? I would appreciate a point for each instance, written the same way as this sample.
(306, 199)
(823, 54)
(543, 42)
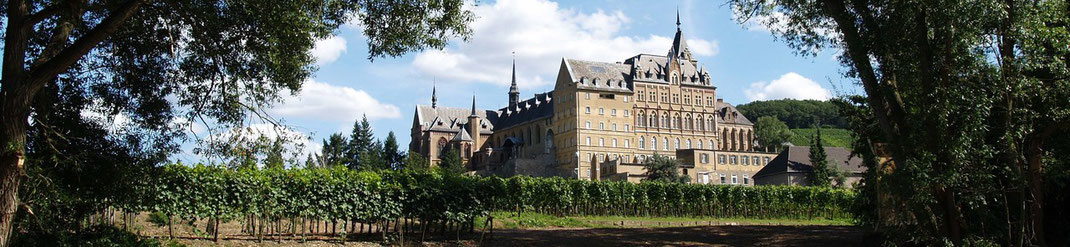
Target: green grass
(830, 137)
(508, 220)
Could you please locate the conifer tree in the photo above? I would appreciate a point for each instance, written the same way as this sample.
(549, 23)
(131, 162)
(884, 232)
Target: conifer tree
(818, 159)
(391, 155)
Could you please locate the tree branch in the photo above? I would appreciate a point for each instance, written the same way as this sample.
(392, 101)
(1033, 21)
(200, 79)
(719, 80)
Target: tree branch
(39, 75)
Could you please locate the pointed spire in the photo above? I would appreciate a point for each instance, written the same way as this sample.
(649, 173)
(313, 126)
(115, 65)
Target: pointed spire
(434, 94)
(677, 18)
(512, 88)
(514, 94)
(473, 106)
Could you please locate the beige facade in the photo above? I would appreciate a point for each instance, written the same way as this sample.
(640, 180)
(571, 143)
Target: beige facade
(604, 118)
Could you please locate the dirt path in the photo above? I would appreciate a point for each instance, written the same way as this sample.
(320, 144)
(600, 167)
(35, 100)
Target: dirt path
(683, 236)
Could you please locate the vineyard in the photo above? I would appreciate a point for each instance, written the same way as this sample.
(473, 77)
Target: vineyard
(297, 201)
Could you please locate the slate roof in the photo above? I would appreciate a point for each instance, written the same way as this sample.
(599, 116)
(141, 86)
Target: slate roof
(726, 113)
(797, 160)
(453, 119)
(600, 75)
(462, 136)
(537, 107)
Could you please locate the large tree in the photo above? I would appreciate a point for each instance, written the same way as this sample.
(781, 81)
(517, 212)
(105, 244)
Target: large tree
(661, 168)
(965, 99)
(771, 133)
(155, 62)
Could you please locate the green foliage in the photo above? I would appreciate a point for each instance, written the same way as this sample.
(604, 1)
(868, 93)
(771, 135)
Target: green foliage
(819, 160)
(340, 193)
(159, 218)
(334, 151)
(771, 133)
(795, 113)
(416, 161)
(451, 162)
(829, 137)
(660, 168)
(161, 66)
(361, 142)
(391, 156)
(94, 236)
(965, 106)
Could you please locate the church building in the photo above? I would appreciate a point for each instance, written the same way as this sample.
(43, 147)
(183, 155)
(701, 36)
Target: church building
(601, 121)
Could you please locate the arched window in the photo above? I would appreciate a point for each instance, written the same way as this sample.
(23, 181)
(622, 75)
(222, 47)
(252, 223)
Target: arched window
(627, 143)
(688, 143)
(699, 144)
(614, 127)
(601, 126)
(641, 142)
(601, 142)
(614, 143)
(626, 128)
(653, 143)
(665, 143)
(588, 141)
(642, 119)
(687, 122)
(587, 125)
(677, 143)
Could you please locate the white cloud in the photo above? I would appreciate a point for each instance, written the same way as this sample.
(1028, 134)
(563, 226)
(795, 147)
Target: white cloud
(328, 50)
(541, 33)
(326, 102)
(788, 86)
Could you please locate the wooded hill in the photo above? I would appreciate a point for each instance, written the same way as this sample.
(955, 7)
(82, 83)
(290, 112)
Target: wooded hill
(796, 113)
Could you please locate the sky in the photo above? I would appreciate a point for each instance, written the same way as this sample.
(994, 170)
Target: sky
(745, 61)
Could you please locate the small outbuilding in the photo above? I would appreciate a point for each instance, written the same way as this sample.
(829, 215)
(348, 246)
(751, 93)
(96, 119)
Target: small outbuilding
(792, 167)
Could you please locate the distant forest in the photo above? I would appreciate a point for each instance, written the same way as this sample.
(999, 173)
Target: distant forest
(796, 114)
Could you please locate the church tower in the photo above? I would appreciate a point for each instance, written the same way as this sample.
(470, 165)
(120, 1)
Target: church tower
(514, 94)
(473, 127)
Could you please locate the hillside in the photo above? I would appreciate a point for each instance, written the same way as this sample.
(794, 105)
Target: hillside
(830, 136)
(795, 113)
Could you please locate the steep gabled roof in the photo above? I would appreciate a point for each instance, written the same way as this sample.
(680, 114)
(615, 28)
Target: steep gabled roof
(726, 113)
(453, 119)
(797, 160)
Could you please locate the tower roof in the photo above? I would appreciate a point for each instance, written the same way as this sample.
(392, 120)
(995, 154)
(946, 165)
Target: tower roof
(679, 43)
(434, 95)
(512, 87)
(473, 106)
(462, 136)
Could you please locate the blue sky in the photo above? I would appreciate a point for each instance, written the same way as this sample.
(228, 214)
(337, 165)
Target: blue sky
(745, 62)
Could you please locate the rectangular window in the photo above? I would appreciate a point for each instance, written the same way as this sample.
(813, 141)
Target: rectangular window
(626, 113)
(734, 181)
(746, 180)
(722, 179)
(612, 112)
(587, 110)
(587, 96)
(607, 96)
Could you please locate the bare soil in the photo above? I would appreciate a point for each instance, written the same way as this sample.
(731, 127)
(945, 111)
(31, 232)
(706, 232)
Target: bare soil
(717, 235)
